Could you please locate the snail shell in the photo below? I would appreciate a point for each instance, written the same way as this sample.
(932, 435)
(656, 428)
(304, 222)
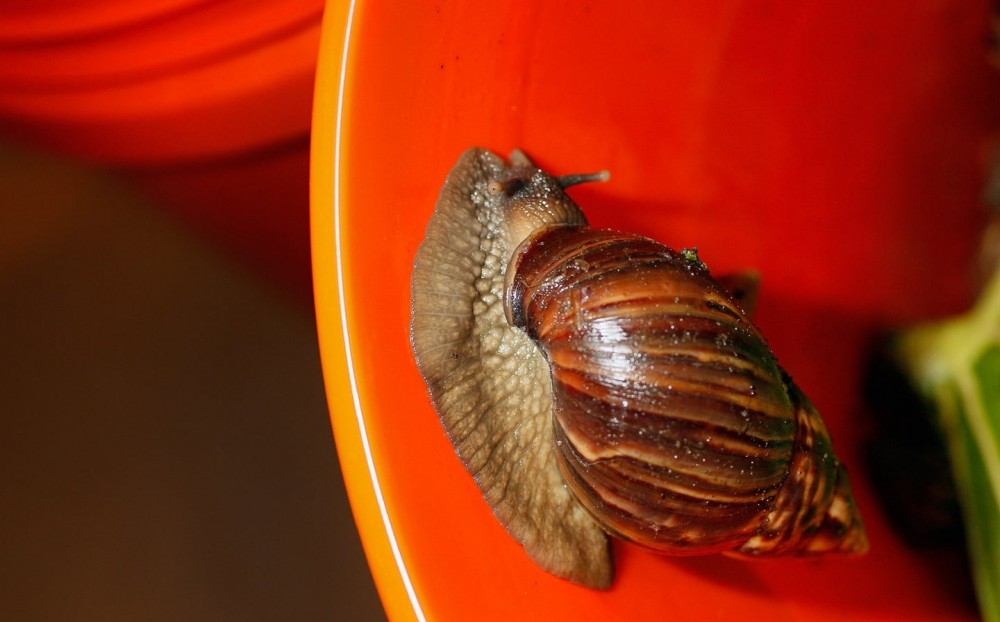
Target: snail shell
(595, 381)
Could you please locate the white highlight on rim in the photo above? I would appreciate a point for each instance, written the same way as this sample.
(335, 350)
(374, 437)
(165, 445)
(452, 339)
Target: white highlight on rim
(393, 544)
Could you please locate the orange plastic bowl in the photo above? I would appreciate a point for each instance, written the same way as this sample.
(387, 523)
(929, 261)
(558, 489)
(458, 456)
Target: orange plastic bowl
(836, 147)
(158, 82)
(204, 104)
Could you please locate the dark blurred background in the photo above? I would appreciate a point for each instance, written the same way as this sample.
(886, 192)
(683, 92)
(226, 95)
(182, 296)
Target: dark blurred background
(166, 450)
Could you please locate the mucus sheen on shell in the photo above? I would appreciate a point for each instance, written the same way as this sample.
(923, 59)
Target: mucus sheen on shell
(673, 420)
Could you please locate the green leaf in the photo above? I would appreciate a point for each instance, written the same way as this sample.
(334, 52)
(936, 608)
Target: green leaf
(983, 502)
(956, 365)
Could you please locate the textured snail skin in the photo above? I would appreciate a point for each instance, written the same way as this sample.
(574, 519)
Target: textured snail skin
(488, 381)
(594, 381)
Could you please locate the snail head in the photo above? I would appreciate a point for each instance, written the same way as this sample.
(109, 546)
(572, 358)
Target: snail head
(531, 199)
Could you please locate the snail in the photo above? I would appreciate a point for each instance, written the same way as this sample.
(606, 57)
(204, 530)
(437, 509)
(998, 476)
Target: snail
(595, 382)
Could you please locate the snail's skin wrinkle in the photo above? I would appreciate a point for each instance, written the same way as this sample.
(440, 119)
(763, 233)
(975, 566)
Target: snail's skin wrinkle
(489, 382)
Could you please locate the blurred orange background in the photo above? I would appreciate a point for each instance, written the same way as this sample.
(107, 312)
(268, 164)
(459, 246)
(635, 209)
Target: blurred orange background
(204, 105)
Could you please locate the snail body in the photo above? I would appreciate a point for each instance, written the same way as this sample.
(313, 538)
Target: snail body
(600, 382)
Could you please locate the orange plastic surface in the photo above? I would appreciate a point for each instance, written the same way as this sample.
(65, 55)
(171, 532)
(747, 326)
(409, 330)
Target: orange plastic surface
(174, 42)
(159, 84)
(205, 104)
(29, 22)
(839, 148)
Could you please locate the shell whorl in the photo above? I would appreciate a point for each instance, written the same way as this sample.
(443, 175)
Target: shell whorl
(674, 424)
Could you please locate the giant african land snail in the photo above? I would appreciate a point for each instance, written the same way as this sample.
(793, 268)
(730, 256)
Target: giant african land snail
(598, 382)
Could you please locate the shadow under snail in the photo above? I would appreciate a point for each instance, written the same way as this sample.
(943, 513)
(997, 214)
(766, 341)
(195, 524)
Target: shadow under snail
(595, 382)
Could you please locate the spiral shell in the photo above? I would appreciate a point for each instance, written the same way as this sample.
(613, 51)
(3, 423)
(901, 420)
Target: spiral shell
(597, 382)
(674, 423)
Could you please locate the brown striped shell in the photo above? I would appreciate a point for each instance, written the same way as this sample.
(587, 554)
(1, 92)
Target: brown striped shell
(674, 423)
(594, 381)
